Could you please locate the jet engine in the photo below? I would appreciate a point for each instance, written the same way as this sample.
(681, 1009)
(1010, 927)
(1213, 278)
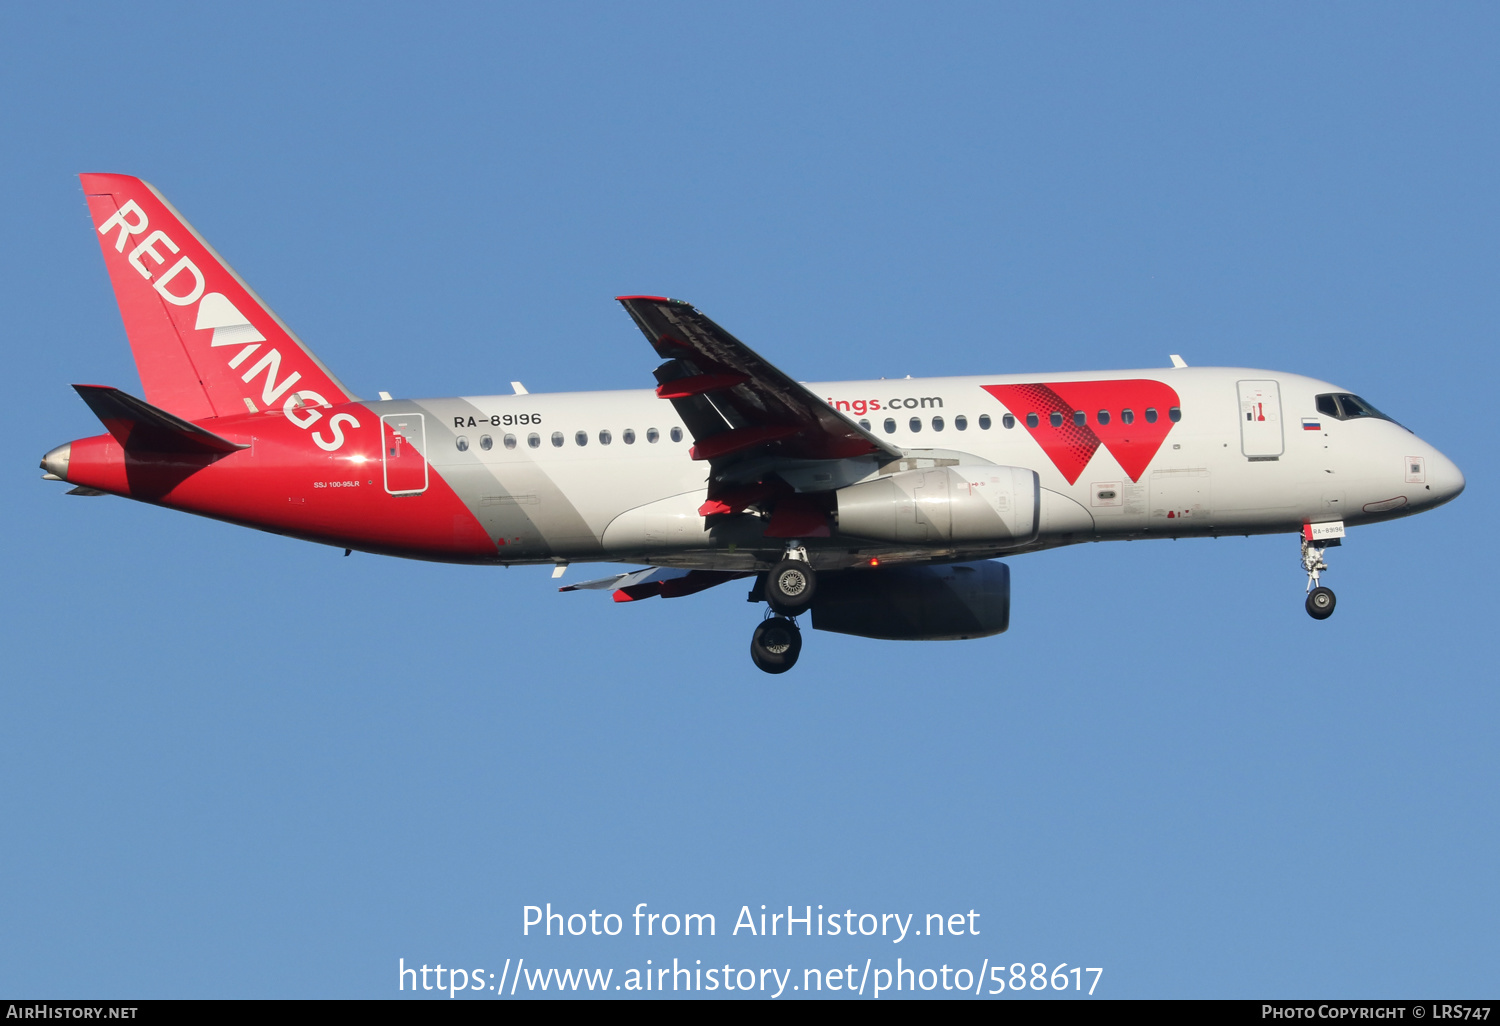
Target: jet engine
(915, 603)
(975, 503)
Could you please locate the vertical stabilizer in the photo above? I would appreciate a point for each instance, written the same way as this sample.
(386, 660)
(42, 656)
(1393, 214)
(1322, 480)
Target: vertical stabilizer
(204, 343)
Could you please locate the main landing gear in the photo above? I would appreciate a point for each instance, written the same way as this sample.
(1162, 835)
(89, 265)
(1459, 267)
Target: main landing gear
(776, 644)
(1320, 600)
(788, 589)
(791, 584)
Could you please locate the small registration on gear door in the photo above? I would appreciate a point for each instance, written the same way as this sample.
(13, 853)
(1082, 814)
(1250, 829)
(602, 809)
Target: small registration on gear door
(403, 452)
(1260, 419)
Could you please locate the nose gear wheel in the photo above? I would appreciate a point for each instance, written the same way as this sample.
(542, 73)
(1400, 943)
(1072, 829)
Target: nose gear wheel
(1320, 603)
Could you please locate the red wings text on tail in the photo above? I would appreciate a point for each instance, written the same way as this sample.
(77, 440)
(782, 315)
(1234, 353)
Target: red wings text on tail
(204, 343)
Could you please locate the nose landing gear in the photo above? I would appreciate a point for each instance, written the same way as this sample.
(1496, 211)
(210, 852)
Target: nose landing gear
(1320, 600)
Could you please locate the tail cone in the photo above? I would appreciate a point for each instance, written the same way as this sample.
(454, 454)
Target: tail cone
(55, 463)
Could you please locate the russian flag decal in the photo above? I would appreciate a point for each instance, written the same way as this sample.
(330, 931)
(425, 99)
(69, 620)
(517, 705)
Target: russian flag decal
(1311, 424)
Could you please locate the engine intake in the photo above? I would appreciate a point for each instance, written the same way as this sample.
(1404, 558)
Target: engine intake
(915, 603)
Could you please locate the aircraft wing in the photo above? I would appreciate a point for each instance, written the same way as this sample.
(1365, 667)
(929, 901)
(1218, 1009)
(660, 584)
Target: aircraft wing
(734, 402)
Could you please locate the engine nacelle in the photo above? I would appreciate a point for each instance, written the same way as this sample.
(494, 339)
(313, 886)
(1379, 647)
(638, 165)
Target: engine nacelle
(975, 503)
(915, 603)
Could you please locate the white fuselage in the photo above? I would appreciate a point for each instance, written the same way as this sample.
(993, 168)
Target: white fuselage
(608, 475)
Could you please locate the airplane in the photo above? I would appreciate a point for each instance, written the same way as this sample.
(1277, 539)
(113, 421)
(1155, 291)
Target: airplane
(879, 506)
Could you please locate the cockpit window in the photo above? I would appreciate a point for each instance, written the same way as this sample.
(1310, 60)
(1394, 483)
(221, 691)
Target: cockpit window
(1353, 406)
(1343, 406)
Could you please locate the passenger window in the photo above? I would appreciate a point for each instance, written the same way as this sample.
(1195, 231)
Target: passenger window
(462, 441)
(605, 437)
(557, 439)
(676, 434)
(534, 440)
(1080, 418)
(1151, 415)
(1174, 414)
(864, 423)
(1103, 417)
(628, 436)
(984, 422)
(510, 441)
(961, 422)
(1031, 420)
(890, 426)
(652, 435)
(937, 423)
(581, 437)
(915, 424)
(486, 442)
(1127, 416)
(1008, 421)
(1056, 419)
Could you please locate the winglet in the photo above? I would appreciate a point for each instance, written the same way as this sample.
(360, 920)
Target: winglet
(138, 425)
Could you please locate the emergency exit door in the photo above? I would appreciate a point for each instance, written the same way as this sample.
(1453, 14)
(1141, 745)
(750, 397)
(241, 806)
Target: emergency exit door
(1260, 419)
(404, 453)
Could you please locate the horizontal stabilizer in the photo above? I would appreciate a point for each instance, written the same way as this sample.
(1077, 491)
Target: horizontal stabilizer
(651, 573)
(668, 582)
(139, 426)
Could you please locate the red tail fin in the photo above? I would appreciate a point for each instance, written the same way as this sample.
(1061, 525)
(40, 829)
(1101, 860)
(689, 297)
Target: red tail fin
(204, 343)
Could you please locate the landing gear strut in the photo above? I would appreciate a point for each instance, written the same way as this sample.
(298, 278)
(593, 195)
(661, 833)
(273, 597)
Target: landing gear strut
(1320, 600)
(776, 644)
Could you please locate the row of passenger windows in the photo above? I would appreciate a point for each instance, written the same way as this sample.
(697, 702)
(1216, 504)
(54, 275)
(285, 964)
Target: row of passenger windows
(960, 423)
(1079, 417)
(580, 438)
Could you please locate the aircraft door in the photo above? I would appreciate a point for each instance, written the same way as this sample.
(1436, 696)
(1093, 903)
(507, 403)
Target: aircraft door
(1260, 419)
(404, 453)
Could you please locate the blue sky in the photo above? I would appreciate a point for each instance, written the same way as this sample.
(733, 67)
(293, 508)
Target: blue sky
(239, 765)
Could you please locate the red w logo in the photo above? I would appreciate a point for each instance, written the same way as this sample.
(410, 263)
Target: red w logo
(1115, 414)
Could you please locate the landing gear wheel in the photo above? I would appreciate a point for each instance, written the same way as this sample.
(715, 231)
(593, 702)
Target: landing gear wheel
(790, 586)
(1320, 603)
(776, 644)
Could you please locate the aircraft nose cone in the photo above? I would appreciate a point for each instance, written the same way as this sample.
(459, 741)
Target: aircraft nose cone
(55, 463)
(1444, 478)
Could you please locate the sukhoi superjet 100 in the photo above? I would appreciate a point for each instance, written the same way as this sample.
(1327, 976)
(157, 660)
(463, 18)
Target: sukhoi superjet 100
(876, 507)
